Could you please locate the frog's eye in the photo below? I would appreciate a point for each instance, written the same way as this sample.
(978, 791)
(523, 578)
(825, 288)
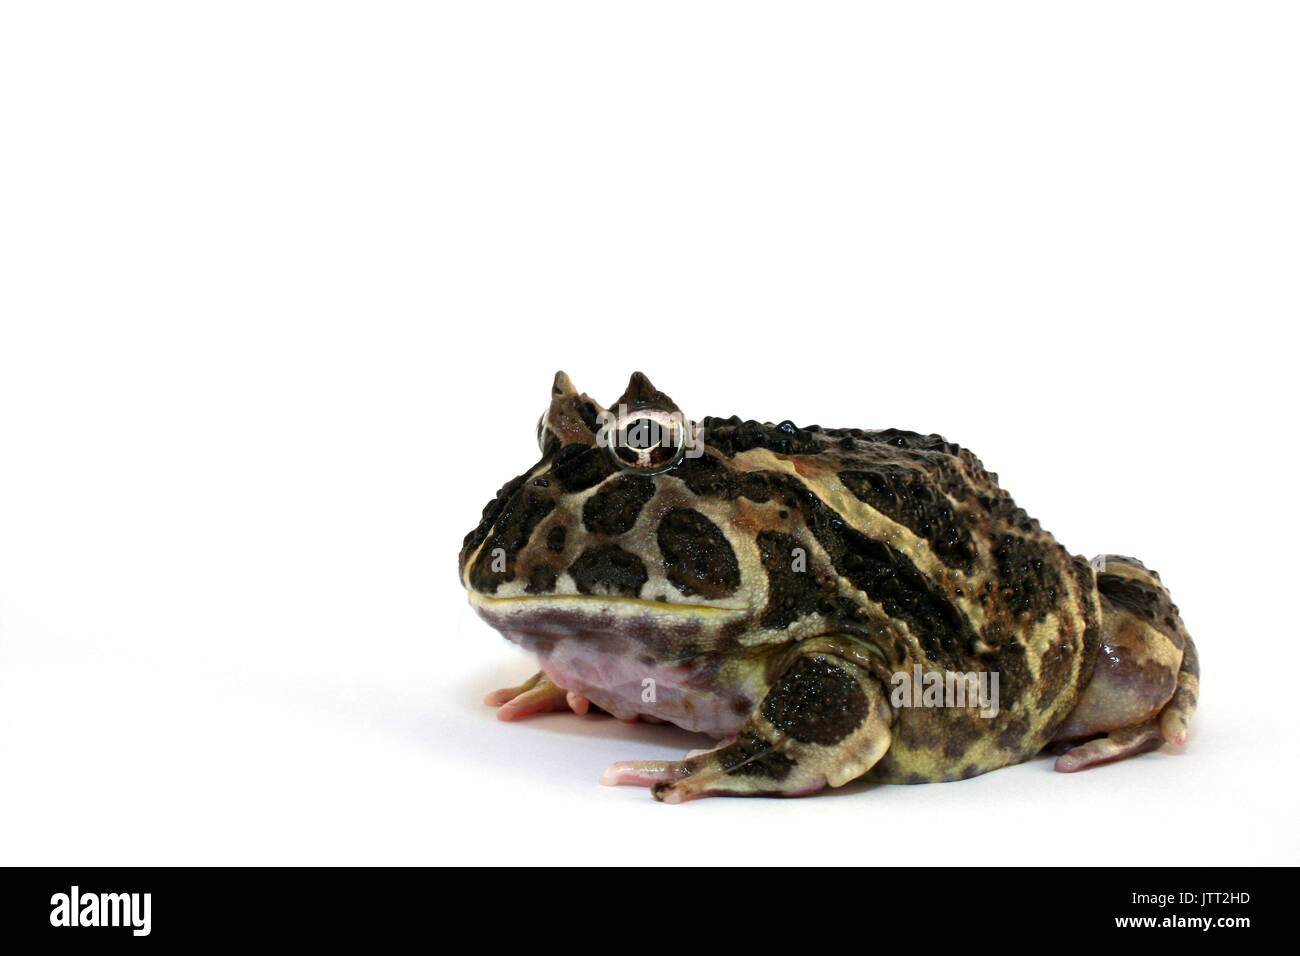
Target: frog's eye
(647, 441)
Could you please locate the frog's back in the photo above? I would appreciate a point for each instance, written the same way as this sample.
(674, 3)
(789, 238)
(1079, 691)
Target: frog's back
(923, 537)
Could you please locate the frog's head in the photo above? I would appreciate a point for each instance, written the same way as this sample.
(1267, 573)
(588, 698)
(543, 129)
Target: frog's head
(633, 518)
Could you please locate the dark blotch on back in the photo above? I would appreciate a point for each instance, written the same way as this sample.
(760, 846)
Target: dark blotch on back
(709, 477)
(1001, 508)
(912, 499)
(816, 702)
(890, 579)
(1027, 575)
(698, 559)
(614, 508)
(731, 436)
(608, 569)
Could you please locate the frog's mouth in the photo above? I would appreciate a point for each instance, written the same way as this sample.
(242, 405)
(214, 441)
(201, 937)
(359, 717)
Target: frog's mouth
(608, 650)
(537, 623)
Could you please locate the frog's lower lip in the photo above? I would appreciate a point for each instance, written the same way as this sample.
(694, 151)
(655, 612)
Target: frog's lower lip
(595, 603)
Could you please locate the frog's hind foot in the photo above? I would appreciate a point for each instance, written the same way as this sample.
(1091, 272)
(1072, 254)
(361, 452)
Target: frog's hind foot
(1178, 712)
(1143, 690)
(1125, 742)
(537, 695)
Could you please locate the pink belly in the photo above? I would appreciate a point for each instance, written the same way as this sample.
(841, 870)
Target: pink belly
(679, 693)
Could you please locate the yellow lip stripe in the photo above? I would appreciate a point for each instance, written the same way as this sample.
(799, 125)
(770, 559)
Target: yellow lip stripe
(561, 599)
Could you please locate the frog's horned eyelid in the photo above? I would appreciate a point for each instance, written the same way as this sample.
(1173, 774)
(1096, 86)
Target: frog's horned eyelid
(562, 385)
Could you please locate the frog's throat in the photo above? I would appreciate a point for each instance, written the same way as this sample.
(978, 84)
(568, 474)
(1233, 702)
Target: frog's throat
(599, 603)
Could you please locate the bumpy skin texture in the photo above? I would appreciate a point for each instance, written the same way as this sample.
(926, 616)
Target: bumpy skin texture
(767, 589)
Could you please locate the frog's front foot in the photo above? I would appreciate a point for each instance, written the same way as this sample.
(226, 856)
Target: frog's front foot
(537, 695)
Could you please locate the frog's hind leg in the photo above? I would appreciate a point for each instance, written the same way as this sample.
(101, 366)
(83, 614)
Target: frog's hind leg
(1144, 687)
(825, 720)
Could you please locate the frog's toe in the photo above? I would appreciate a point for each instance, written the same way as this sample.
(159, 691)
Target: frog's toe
(648, 773)
(1126, 742)
(537, 695)
(642, 773)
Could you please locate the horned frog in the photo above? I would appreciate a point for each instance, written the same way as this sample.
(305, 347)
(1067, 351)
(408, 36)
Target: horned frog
(782, 589)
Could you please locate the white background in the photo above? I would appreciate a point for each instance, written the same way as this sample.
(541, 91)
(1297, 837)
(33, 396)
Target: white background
(283, 287)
